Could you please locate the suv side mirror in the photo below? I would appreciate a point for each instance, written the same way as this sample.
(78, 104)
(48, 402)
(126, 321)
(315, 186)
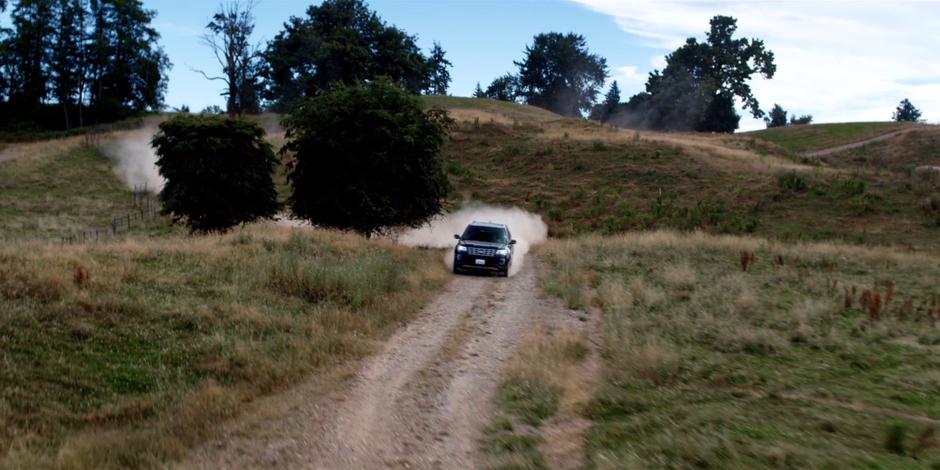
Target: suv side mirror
(512, 242)
(456, 237)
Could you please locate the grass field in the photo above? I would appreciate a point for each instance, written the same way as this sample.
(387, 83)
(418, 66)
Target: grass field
(814, 356)
(801, 139)
(61, 187)
(900, 154)
(585, 178)
(126, 354)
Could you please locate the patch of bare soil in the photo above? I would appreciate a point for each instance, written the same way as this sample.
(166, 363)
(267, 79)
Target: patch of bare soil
(422, 402)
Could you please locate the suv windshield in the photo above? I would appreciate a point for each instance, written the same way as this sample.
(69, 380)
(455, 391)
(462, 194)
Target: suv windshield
(485, 234)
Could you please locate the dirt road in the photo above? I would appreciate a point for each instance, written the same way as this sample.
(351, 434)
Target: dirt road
(420, 403)
(861, 143)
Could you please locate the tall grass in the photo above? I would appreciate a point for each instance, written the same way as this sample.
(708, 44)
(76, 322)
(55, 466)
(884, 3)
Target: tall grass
(706, 364)
(127, 354)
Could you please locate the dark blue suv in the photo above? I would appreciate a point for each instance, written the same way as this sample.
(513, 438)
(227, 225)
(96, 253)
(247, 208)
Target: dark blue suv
(484, 247)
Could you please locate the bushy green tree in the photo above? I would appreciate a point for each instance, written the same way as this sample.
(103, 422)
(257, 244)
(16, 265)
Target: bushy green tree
(340, 41)
(906, 112)
(560, 74)
(802, 120)
(777, 117)
(440, 76)
(366, 157)
(218, 172)
(697, 88)
(503, 88)
(478, 92)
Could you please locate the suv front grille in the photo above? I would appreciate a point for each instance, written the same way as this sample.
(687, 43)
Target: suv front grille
(482, 251)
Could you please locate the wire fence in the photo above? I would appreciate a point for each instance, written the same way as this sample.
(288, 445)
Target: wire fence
(144, 208)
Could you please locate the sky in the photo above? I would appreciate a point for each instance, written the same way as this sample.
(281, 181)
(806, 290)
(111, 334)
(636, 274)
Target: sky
(836, 60)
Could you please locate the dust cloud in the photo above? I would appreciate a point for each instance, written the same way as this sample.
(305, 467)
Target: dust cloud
(134, 159)
(526, 228)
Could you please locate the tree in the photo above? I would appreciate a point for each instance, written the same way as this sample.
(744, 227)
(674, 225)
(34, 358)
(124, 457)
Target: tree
(366, 157)
(218, 172)
(440, 76)
(68, 57)
(503, 88)
(127, 65)
(478, 92)
(777, 117)
(602, 111)
(340, 41)
(229, 38)
(906, 112)
(31, 47)
(697, 88)
(802, 120)
(558, 73)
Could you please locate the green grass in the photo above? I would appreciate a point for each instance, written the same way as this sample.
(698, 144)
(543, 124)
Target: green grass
(802, 139)
(707, 365)
(62, 188)
(126, 354)
(512, 111)
(583, 178)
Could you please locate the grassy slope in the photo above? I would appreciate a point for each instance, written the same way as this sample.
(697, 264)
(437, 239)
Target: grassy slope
(808, 138)
(164, 338)
(900, 154)
(61, 187)
(706, 365)
(586, 178)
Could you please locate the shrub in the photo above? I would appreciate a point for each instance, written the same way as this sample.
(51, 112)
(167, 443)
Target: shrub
(367, 157)
(218, 172)
(793, 182)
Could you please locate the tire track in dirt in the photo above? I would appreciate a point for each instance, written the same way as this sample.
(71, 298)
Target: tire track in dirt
(860, 143)
(422, 402)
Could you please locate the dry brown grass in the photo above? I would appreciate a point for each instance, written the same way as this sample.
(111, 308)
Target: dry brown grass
(127, 354)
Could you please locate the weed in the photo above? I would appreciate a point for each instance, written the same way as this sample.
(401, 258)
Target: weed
(598, 145)
(895, 435)
(792, 182)
(747, 259)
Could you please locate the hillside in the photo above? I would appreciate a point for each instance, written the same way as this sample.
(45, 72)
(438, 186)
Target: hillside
(585, 177)
(814, 137)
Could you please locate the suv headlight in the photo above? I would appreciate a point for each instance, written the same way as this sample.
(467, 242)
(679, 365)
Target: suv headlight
(503, 252)
(461, 249)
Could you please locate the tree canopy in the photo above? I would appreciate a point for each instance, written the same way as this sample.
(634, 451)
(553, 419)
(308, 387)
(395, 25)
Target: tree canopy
(906, 112)
(68, 60)
(440, 76)
(603, 110)
(503, 88)
(366, 157)
(558, 73)
(340, 41)
(777, 117)
(697, 88)
(218, 172)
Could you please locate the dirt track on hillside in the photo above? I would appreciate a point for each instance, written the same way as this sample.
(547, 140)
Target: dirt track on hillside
(860, 143)
(422, 402)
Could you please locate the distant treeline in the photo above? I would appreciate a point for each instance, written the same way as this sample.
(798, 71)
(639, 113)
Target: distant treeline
(69, 63)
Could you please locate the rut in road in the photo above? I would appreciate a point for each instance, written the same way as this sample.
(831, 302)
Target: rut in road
(420, 403)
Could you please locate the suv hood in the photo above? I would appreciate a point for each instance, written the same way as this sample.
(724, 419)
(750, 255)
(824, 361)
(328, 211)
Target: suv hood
(481, 244)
